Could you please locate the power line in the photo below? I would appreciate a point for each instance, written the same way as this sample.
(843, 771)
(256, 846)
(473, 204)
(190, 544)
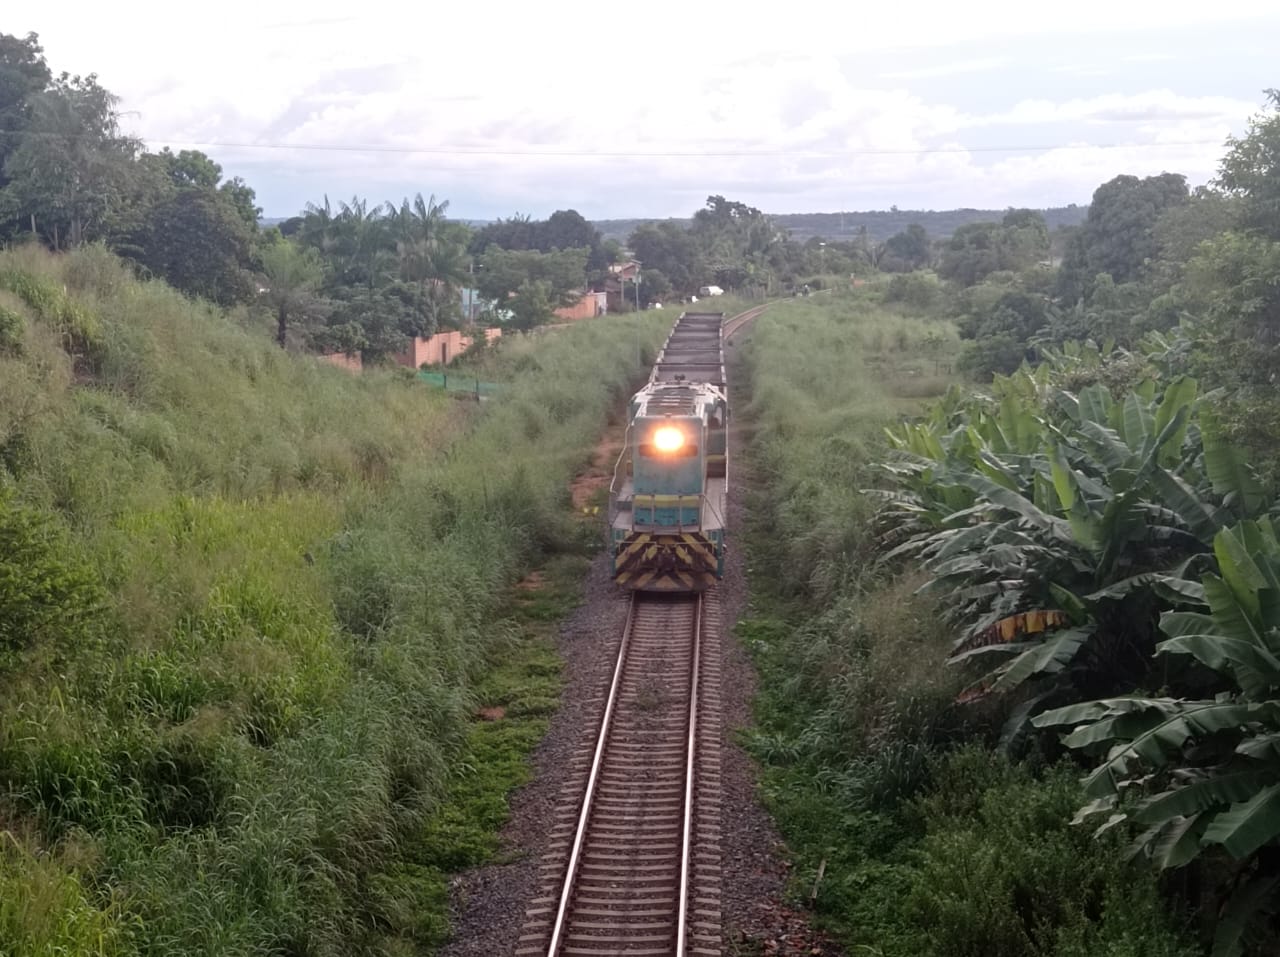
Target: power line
(627, 154)
(631, 154)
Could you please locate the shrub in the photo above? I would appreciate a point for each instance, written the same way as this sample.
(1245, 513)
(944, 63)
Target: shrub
(12, 331)
(1000, 354)
(915, 290)
(47, 592)
(46, 909)
(1001, 872)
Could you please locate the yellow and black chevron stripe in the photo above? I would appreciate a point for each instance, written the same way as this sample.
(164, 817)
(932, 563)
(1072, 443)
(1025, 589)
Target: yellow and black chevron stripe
(645, 561)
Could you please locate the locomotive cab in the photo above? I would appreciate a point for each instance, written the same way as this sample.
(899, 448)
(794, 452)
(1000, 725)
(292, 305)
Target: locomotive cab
(667, 527)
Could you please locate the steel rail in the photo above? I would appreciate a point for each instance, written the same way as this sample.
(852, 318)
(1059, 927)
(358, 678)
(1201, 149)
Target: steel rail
(571, 872)
(687, 840)
(734, 323)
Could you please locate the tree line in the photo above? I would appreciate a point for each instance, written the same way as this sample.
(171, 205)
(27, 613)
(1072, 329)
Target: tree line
(1152, 256)
(356, 276)
(359, 276)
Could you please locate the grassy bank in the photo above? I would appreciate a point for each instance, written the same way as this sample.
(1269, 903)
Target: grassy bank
(928, 842)
(252, 605)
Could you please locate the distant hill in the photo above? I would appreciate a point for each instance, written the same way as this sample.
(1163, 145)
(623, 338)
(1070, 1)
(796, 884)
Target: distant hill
(881, 224)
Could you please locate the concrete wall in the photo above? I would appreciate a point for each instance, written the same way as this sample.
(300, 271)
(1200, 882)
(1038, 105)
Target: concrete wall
(588, 306)
(439, 349)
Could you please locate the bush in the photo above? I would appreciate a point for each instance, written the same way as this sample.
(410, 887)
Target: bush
(1001, 872)
(1001, 354)
(12, 331)
(46, 908)
(79, 327)
(915, 290)
(47, 592)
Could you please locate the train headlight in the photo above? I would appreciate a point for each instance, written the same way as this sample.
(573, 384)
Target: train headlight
(668, 438)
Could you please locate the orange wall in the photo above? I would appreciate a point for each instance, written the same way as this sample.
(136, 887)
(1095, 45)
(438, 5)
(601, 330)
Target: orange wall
(438, 349)
(585, 308)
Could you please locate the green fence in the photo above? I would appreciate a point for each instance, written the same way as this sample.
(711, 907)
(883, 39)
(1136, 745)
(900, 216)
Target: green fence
(459, 383)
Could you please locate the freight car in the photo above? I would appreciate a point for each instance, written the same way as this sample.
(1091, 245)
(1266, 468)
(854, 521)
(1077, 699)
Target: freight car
(667, 500)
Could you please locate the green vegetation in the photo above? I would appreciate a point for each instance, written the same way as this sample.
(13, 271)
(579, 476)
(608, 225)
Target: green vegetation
(1067, 576)
(932, 843)
(515, 696)
(251, 606)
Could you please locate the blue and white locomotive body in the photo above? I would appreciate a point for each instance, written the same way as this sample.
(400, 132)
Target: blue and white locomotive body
(667, 502)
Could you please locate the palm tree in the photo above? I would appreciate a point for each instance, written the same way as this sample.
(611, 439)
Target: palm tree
(432, 252)
(292, 276)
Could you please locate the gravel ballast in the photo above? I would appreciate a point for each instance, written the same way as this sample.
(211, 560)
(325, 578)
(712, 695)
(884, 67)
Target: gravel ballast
(487, 903)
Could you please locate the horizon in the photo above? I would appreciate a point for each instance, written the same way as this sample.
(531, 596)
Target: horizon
(932, 108)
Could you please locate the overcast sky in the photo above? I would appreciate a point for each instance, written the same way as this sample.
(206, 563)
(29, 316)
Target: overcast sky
(498, 108)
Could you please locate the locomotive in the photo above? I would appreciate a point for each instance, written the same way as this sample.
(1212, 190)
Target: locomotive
(670, 485)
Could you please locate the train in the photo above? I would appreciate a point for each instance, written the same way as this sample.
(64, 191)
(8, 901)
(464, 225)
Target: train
(668, 497)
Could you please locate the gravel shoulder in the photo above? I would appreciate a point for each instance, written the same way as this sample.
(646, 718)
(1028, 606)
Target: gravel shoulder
(487, 904)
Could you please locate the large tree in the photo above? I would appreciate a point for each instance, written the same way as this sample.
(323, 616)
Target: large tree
(907, 250)
(672, 251)
(1251, 170)
(431, 253)
(506, 272)
(975, 250)
(23, 74)
(1118, 236)
(68, 172)
(563, 229)
(198, 243)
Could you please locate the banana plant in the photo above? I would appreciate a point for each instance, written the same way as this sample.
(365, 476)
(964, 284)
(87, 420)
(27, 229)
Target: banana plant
(1201, 774)
(1057, 524)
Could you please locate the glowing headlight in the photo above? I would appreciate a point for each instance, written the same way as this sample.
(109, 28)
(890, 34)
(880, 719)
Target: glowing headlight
(668, 438)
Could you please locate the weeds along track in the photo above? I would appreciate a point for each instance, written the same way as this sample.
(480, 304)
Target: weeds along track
(633, 865)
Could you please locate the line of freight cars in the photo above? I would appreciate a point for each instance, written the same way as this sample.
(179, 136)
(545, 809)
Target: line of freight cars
(670, 486)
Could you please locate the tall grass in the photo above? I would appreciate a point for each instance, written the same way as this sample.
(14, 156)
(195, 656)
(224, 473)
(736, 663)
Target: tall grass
(818, 369)
(927, 843)
(303, 573)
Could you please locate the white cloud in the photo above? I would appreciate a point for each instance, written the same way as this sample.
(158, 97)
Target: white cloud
(475, 98)
(948, 69)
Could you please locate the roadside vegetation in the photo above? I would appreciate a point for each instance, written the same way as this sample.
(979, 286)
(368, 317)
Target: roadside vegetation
(1017, 629)
(928, 840)
(250, 606)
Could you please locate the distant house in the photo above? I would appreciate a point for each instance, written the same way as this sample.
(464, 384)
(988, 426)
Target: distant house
(620, 284)
(626, 271)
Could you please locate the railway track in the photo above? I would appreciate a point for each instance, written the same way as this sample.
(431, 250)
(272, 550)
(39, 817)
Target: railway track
(735, 323)
(634, 862)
